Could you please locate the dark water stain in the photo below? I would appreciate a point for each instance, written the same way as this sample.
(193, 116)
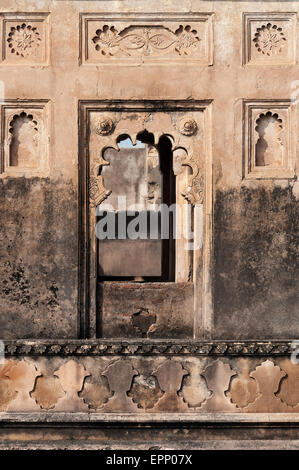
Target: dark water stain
(255, 279)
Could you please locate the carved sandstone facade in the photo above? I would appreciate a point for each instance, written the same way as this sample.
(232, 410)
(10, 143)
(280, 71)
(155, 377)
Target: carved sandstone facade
(194, 106)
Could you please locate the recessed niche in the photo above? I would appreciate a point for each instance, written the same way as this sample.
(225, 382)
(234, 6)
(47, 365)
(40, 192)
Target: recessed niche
(24, 137)
(269, 146)
(23, 148)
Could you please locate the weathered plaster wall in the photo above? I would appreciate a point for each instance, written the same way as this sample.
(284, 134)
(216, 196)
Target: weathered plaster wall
(254, 270)
(122, 313)
(38, 258)
(256, 280)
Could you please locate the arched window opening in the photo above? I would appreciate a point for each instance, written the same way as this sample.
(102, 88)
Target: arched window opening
(136, 237)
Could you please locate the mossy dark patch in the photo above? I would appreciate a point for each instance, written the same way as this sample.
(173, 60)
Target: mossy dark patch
(38, 287)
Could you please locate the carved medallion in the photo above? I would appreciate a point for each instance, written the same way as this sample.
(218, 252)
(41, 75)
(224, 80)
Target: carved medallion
(105, 127)
(23, 39)
(188, 126)
(269, 39)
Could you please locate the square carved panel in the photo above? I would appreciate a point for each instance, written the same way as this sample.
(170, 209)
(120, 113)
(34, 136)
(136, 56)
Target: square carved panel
(24, 38)
(269, 139)
(24, 137)
(269, 38)
(136, 38)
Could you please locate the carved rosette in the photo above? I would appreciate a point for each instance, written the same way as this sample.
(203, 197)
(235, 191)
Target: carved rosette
(269, 39)
(23, 39)
(105, 127)
(188, 126)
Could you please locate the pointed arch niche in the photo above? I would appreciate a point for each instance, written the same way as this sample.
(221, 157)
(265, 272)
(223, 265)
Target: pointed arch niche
(152, 153)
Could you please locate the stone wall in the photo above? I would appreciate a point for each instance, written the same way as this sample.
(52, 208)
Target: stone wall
(220, 79)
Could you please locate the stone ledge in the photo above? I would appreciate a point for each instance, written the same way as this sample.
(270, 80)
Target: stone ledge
(153, 446)
(258, 419)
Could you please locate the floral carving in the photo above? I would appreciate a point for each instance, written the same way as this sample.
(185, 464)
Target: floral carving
(188, 126)
(170, 376)
(105, 127)
(145, 40)
(23, 39)
(269, 39)
(187, 40)
(97, 191)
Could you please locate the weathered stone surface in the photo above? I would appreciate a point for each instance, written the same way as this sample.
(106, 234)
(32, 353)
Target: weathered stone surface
(243, 389)
(218, 377)
(162, 303)
(23, 376)
(149, 384)
(38, 253)
(71, 375)
(268, 376)
(145, 391)
(47, 392)
(255, 270)
(7, 392)
(219, 81)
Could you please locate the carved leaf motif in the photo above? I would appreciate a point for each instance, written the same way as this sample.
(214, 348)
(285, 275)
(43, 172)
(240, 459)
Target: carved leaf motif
(170, 375)
(268, 377)
(47, 392)
(120, 375)
(243, 388)
(145, 40)
(161, 41)
(133, 41)
(71, 376)
(23, 375)
(218, 376)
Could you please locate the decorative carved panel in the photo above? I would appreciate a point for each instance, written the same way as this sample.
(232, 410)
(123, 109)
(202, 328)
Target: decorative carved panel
(134, 38)
(147, 384)
(268, 139)
(24, 137)
(24, 38)
(269, 38)
(184, 129)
